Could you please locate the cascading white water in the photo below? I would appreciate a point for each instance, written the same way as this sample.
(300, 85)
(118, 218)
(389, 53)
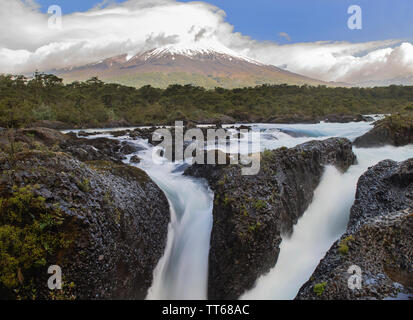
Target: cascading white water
(182, 272)
(321, 225)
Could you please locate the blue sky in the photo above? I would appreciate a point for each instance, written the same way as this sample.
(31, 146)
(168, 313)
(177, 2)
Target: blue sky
(345, 55)
(303, 20)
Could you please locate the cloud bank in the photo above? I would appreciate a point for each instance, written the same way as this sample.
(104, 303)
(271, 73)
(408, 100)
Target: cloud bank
(27, 43)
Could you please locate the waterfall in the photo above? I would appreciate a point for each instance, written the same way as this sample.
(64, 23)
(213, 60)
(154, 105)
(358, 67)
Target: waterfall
(322, 224)
(182, 272)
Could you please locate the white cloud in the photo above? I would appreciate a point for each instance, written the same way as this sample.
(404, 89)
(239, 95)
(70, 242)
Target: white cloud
(339, 61)
(135, 25)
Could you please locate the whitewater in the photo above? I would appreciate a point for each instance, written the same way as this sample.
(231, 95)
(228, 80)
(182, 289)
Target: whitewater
(182, 272)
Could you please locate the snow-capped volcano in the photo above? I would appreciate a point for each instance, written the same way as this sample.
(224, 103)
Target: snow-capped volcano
(194, 50)
(197, 64)
(173, 52)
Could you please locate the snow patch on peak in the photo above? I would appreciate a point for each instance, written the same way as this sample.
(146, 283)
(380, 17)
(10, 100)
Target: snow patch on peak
(192, 50)
(129, 56)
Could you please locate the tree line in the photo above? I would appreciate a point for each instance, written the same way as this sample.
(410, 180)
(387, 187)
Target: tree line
(94, 103)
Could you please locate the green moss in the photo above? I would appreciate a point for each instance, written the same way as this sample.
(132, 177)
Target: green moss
(267, 155)
(39, 155)
(223, 181)
(121, 170)
(227, 200)
(30, 234)
(343, 249)
(254, 227)
(66, 293)
(107, 198)
(84, 185)
(319, 288)
(343, 245)
(259, 205)
(399, 121)
(118, 215)
(39, 147)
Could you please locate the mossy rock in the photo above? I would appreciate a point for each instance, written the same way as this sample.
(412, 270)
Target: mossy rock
(319, 288)
(32, 235)
(122, 170)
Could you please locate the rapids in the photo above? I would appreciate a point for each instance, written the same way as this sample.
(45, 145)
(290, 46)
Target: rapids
(182, 273)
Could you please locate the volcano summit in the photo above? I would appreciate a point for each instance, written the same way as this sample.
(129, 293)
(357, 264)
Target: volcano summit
(200, 66)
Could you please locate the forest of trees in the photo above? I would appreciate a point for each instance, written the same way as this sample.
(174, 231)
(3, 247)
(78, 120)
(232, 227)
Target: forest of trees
(93, 103)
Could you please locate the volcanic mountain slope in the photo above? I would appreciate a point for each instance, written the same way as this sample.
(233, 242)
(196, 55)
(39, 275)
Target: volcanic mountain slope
(202, 67)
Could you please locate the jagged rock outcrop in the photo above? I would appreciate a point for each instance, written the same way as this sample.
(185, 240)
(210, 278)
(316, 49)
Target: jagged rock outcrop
(295, 118)
(337, 118)
(385, 188)
(251, 212)
(115, 220)
(394, 130)
(56, 125)
(379, 240)
(81, 148)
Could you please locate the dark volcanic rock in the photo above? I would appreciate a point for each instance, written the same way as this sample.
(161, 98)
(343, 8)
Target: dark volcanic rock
(368, 118)
(379, 240)
(387, 187)
(94, 149)
(376, 137)
(119, 222)
(128, 148)
(135, 159)
(144, 133)
(395, 130)
(81, 148)
(251, 212)
(45, 136)
(56, 125)
(116, 215)
(296, 118)
(337, 118)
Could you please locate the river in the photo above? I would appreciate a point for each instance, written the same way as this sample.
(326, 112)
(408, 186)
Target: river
(182, 273)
